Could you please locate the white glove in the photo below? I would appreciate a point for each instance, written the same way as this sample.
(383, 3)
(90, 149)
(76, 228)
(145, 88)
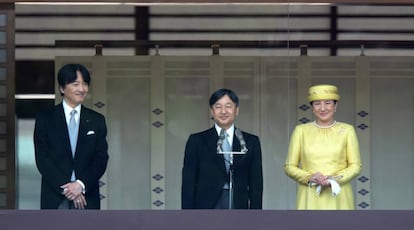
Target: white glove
(336, 189)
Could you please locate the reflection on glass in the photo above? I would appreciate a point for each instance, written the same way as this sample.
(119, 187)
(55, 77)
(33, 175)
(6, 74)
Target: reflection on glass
(3, 55)
(3, 127)
(3, 74)
(2, 37)
(3, 91)
(29, 180)
(3, 181)
(2, 198)
(280, 91)
(3, 109)
(2, 163)
(2, 20)
(2, 145)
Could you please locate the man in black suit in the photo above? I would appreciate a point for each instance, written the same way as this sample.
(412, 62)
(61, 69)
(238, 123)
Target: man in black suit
(71, 162)
(205, 179)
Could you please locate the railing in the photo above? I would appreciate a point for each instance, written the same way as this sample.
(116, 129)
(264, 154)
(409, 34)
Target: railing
(206, 219)
(233, 44)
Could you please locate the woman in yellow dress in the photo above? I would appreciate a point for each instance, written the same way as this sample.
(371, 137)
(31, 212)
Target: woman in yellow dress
(323, 156)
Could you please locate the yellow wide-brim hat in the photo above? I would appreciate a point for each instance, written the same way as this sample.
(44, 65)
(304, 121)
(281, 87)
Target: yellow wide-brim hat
(323, 92)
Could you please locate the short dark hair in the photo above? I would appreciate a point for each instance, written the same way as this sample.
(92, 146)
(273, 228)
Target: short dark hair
(218, 94)
(67, 75)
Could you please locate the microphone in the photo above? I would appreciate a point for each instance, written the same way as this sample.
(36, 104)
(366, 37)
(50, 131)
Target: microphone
(220, 141)
(239, 136)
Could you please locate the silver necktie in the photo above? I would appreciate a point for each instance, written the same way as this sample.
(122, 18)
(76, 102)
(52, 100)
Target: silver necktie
(73, 131)
(227, 148)
(73, 137)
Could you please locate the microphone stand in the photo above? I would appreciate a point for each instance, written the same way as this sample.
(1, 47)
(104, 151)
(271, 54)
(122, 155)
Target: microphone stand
(231, 156)
(243, 151)
(231, 181)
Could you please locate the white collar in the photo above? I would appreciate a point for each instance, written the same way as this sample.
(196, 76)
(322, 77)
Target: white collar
(229, 131)
(67, 109)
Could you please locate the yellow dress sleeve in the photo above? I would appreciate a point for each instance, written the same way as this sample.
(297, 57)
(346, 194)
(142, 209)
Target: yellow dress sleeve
(353, 158)
(292, 168)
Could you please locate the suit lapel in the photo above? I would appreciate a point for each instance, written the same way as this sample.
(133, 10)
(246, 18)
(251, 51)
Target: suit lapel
(236, 143)
(84, 121)
(60, 124)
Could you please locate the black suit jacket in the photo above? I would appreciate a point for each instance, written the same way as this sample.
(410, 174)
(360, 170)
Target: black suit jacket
(204, 172)
(54, 156)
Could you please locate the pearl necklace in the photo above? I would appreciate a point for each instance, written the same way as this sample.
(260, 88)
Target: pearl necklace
(324, 127)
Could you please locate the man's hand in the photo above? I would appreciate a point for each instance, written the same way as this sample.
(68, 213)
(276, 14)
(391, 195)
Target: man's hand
(80, 202)
(72, 190)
